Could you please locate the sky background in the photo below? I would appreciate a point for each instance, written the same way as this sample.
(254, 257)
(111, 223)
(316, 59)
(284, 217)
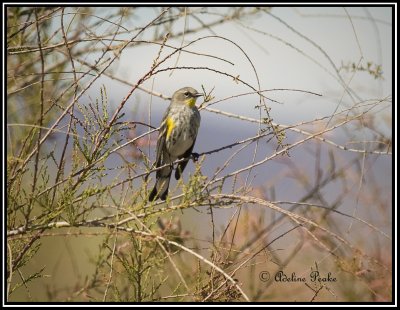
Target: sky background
(295, 51)
(297, 64)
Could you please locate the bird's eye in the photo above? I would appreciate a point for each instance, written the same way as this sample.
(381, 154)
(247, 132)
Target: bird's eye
(187, 94)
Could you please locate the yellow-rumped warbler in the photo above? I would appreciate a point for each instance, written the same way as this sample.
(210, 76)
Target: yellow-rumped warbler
(176, 138)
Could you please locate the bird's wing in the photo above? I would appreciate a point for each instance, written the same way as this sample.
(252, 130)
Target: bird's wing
(162, 134)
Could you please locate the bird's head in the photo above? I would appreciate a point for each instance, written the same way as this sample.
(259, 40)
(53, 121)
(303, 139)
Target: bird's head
(186, 95)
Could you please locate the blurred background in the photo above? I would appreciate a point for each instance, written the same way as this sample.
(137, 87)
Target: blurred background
(313, 85)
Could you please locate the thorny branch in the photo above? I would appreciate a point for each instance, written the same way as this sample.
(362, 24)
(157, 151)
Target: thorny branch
(59, 55)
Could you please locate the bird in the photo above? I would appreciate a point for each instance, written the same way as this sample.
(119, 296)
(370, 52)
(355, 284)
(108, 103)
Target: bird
(176, 139)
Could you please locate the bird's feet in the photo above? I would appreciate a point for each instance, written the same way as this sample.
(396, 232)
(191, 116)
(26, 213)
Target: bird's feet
(195, 157)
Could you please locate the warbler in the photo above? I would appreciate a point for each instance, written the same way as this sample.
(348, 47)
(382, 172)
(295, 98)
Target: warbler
(176, 138)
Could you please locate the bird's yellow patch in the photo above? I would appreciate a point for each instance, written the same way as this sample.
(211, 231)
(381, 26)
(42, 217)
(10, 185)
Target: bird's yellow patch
(170, 126)
(191, 102)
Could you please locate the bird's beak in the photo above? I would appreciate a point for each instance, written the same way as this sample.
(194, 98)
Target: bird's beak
(197, 95)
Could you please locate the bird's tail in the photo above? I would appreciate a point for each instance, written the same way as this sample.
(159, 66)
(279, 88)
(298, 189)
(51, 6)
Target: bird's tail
(160, 189)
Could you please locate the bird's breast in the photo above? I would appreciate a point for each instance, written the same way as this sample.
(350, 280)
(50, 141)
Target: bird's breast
(182, 133)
